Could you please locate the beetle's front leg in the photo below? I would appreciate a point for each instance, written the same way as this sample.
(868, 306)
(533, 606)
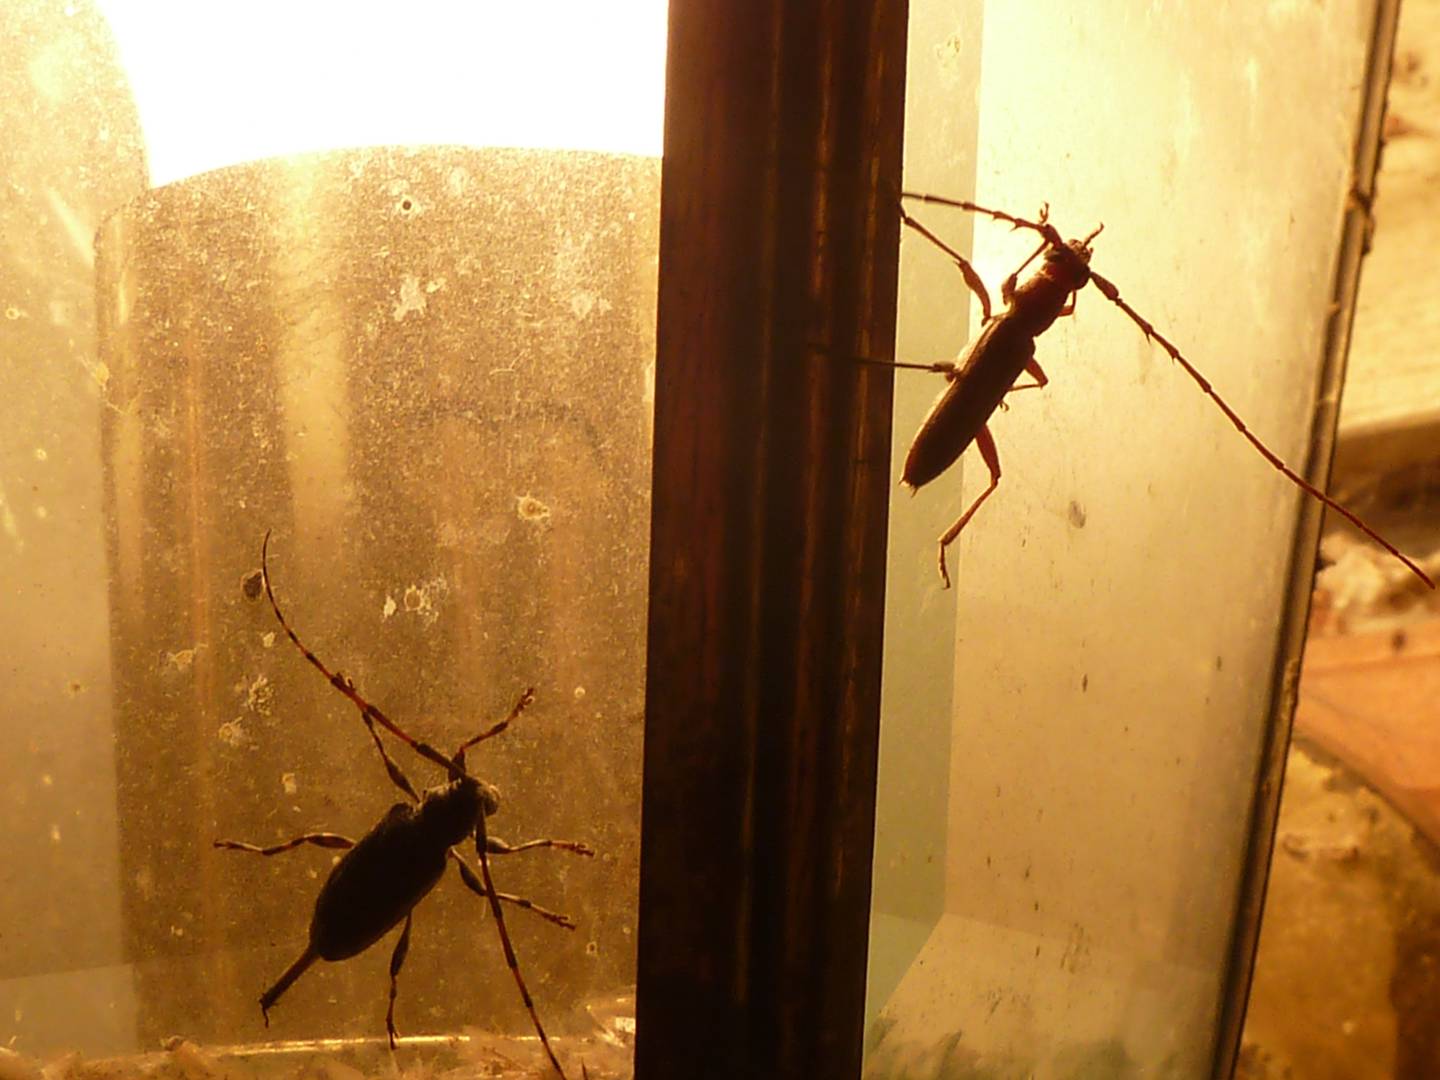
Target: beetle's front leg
(321, 839)
(495, 846)
(967, 271)
(1007, 287)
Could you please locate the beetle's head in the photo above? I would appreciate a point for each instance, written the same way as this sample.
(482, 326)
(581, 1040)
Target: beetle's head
(483, 797)
(1071, 263)
(1082, 248)
(487, 796)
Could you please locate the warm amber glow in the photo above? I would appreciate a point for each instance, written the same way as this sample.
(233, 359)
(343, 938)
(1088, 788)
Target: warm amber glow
(218, 84)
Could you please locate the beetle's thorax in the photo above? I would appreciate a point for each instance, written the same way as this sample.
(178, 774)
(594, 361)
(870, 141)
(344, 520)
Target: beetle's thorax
(453, 809)
(1039, 299)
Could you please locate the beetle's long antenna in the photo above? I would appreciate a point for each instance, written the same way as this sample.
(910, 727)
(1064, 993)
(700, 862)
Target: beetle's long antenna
(510, 960)
(1112, 294)
(495, 729)
(368, 712)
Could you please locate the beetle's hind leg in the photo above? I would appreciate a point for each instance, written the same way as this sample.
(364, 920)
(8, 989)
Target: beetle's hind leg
(985, 442)
(309, 956)
(397, 961)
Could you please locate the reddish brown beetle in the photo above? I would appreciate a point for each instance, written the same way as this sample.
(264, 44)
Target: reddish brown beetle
(992, 363)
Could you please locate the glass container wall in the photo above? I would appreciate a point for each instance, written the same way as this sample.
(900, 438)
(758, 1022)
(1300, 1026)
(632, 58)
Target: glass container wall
(1123, 603)
(424, 373)
(427, 373)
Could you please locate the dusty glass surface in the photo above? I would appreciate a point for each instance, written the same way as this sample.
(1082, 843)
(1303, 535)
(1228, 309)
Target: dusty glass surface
(428, 371)
(1118, 600)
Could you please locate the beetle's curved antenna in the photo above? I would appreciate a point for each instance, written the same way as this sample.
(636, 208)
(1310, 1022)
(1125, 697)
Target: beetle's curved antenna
(370, 714)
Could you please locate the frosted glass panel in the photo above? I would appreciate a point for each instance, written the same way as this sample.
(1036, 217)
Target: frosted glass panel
(1118, 602)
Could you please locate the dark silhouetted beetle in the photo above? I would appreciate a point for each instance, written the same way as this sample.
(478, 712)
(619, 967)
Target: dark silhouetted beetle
(376, 884)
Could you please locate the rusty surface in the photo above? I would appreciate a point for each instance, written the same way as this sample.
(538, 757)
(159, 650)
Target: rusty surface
(771, 481)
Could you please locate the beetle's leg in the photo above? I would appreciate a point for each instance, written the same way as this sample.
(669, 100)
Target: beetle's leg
(474, 884)
(1007, 287)
(319, 839)
(392, 768)
(986, 444)
(947, 368)
(495, 846)
(293, 972)
(1069, 308)
(1036, 372)
(967, 271)
(1042, 226)
(397, 961)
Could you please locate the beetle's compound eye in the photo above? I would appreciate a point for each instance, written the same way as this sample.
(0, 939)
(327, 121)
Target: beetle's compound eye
(489, 798)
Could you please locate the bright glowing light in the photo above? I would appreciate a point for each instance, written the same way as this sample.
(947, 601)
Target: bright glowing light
(221, 83)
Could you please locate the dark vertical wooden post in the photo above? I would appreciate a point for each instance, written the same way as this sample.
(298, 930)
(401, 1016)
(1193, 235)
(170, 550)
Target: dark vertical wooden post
(772, 477)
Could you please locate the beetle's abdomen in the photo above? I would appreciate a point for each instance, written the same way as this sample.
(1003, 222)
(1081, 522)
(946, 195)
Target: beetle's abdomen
(375, 884)
(989, 368)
